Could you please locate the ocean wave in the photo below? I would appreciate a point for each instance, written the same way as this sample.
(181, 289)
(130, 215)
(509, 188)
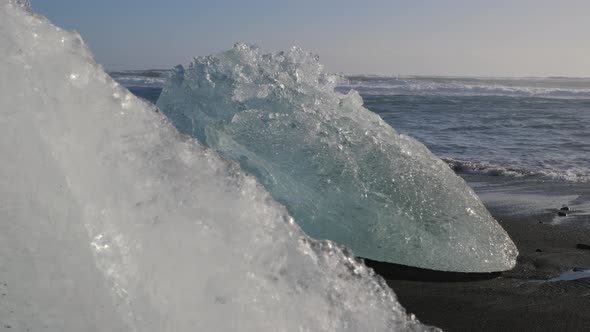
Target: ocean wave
(152, 78)
(566, 88)
(486, 168)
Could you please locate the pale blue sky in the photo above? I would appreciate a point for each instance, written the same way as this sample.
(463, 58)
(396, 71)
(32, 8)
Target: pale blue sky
(426, 37)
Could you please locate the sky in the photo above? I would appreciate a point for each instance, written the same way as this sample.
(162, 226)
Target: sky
(389, 37)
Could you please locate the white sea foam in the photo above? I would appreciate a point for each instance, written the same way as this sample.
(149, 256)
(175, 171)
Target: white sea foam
(568, 88)
(141, 78)
(546, 173)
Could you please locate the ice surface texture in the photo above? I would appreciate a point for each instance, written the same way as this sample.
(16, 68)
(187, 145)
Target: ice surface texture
(341, 171)
(25, 4)
(110, 220)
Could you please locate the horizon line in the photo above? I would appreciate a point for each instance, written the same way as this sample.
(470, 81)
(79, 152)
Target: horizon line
(394, 75)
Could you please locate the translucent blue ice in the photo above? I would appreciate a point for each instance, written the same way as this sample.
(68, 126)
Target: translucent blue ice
(341, 171)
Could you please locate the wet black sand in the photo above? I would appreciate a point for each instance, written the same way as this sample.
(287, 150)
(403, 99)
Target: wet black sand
(522, 299)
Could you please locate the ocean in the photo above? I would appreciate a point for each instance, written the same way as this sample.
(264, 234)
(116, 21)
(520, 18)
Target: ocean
(525, 129)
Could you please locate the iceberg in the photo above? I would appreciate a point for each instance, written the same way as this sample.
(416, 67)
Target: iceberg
(111, 220)
(340, 170)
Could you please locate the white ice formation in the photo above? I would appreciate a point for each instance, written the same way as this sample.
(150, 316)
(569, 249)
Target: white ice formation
(110, 220)
(341, 171)
(25, 4)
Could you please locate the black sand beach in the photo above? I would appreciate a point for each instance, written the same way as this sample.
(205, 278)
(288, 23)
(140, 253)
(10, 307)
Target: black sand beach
(523, 299)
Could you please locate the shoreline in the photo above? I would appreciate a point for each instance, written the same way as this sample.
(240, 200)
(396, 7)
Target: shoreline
(523, 298)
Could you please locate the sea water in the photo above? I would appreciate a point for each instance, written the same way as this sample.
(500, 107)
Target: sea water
(518, 128)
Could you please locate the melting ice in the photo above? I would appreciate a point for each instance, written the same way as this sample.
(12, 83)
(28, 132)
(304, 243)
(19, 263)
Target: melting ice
(341, 171)
(113, 221)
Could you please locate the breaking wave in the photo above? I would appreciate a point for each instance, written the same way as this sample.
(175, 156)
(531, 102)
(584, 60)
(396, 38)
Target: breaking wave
(153, 78)
(486, 168)
(552, 87)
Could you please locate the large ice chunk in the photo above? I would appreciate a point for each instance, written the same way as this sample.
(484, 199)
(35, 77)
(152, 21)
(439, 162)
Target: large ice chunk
(110, 220)
(340, 170)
